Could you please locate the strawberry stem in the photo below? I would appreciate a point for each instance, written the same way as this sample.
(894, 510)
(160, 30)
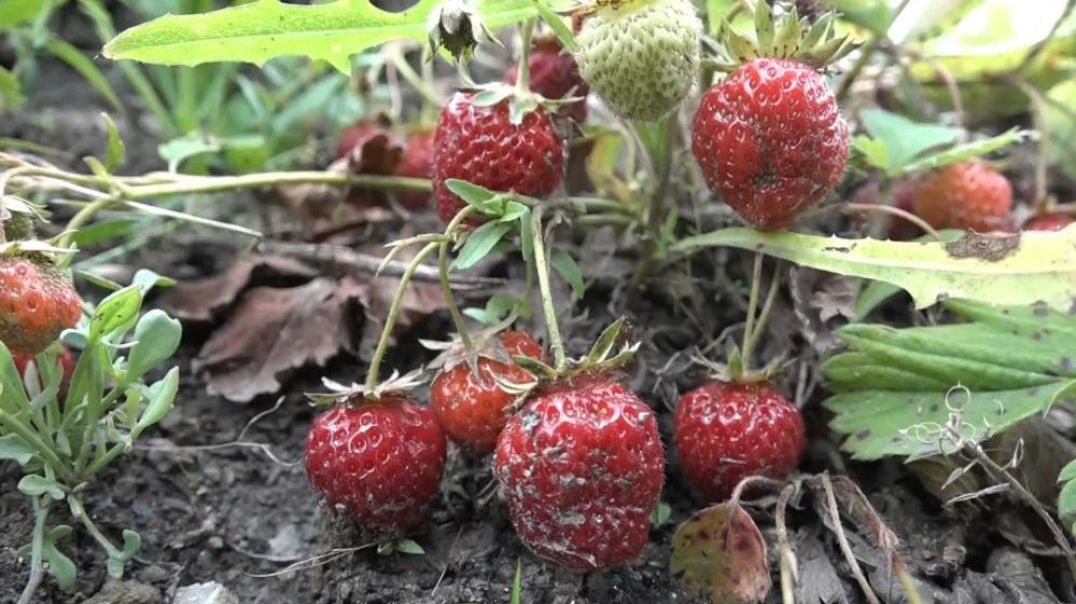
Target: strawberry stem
(446, 285)
(37, 548)
(542, 268)
(526, 32)
(749, 338)
(390, 320)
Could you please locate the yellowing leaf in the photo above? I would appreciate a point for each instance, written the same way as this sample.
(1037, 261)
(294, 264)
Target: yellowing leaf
(1019, 269)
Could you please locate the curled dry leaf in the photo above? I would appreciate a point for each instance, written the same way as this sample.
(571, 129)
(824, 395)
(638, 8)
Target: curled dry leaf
(720, 555)
(822, 302)
(275, 330)
(199, 300)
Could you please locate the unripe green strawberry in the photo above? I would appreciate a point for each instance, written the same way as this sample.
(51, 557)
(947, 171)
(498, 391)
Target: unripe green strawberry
(640, 56)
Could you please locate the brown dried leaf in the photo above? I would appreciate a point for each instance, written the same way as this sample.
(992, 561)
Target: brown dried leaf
(198, 300)
(720, 554)
(822, 302)
(275, 330)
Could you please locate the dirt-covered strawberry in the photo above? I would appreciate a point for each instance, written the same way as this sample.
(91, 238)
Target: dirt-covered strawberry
(416, 162)
(36, 304)
(770, 139)
(380, 461)
(471, 406)
(725, 432)
(640, 56)
(1048, 222)
(969, 195)
(554, 74)
(480, 144)
(581, 467)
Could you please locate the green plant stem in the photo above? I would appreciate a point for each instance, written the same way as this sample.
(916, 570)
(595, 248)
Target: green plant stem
(542, 269)
(658, 140)
(763, 315)
(93, 416)
(37, 547)
(526, 32)
(420, 84)
(752, 305)
(450, 298)
(866, 53)
(394, 311)
(91, 528)
(48, 453)
(219, 184)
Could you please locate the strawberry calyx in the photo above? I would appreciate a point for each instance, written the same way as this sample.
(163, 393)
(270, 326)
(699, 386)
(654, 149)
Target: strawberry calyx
(397, 386)
(521, 101)
(736, 371)
(456, 27)
(788, 36)
(611, 352)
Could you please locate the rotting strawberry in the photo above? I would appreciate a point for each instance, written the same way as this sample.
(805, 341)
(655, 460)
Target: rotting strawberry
(1048, 222)
(416, 162)
(770, 139)
(725, 432)
(36, 304)
(481, 145)
(471, 406)
(581, 467)
(969, 195)
(380, 461)
(640, 56)
(554, 74)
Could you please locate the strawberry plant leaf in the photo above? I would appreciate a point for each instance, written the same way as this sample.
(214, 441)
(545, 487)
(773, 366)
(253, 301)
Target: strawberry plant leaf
(720, 555)
(116, 313)
(11, 96)
(899, 389)
(566, 267)
(965, 152)
(877, 292)
(896, 140)
(880, 423)
(18, 12)
(1066, 503)
(266, 29)
(1020, 269)
(472, 194)
(480, 243)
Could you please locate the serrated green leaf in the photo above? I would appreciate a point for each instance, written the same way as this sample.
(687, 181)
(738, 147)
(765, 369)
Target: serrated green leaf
(566, 267)
(963, 152)
(854, 370)
(903, 139)
(479, 244)
(881, 423)
(1031, 321)
(266, 29)
(1028, 268)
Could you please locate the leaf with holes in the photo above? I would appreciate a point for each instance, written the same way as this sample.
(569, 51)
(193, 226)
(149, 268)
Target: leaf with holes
(1018, 269)
(720, 555)
(266, 29)
(891, 386)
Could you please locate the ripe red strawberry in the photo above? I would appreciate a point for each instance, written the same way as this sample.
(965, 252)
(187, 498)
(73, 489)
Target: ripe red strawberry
(416, 162)
(554, 74)
(481, 145)
(969, 195)
(380, 461)
(1048, 222)
(581, 467)
(770, 140)
(474, 408)
(726, 432)
(36, 304)
(67, 361)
